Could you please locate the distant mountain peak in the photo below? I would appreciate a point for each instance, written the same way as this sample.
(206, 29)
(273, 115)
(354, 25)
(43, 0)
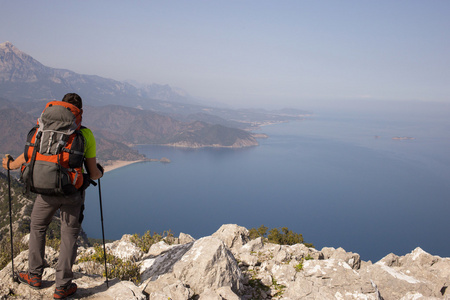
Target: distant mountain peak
(6, 44)
(8, 47)
(16, 65)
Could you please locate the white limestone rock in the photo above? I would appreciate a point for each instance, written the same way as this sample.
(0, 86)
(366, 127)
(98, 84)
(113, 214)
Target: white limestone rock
(417, 274)
(352, 259)
(204, 264)
(184, 238)
(157, 249)
(125, 249)
(167, 287)
(330, 279)
(233, 236)
(207, 269)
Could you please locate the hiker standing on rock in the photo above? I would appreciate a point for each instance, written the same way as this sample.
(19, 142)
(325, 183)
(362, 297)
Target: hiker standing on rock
(51, 166)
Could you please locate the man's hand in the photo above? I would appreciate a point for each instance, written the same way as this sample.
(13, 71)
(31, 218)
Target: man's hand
(92, 168)
(7, 161)
(13, 163)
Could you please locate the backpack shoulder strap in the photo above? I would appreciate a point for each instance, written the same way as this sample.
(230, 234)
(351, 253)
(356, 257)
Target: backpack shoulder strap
(29, 180)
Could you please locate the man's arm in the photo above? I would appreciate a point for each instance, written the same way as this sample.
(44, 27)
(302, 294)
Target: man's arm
(13, 164)
(91, 165)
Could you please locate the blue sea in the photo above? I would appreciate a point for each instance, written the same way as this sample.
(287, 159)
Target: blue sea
(337, 177)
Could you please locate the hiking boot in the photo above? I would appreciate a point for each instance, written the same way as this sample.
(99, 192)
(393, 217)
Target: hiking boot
(32, 280)
(65, 291)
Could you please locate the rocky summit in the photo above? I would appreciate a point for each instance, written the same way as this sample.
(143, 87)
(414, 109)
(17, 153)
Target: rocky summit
(228, 265)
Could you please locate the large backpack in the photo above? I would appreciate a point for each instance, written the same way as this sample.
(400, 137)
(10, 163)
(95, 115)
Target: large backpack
(54, 152)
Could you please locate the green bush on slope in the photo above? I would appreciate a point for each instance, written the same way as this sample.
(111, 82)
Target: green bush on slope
(275, 236)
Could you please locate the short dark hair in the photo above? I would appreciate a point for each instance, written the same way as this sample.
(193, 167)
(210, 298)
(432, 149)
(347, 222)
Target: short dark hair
(74, 99)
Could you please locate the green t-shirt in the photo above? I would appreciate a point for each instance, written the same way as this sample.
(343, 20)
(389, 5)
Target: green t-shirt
(90, 148)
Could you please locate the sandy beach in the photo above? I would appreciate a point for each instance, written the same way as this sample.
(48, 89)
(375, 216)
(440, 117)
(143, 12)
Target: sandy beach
(118, 164)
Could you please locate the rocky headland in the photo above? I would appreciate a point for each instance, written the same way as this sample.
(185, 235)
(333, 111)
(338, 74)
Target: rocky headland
(228, 265)
(238, 143)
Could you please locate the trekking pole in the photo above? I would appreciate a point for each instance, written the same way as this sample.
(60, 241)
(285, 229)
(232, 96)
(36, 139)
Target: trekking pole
(13, 276)
(103, 229)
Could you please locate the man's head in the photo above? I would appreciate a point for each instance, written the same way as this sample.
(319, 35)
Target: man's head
(74, 99)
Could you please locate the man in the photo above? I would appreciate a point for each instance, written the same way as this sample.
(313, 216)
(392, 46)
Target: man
(71, 211)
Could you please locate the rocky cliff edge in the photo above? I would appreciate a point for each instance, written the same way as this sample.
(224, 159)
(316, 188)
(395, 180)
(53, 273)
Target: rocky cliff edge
(228, 265)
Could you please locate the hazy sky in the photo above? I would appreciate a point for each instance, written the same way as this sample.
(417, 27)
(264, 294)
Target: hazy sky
(246, 52)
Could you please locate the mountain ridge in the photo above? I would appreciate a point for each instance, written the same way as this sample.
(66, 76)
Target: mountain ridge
(24, 79)
(32, 81)
(48, 83)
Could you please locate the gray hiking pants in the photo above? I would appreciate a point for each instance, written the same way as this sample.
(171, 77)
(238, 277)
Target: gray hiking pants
(71, 216)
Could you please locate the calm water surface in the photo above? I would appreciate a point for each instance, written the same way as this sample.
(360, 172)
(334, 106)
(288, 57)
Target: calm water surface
(337, 178)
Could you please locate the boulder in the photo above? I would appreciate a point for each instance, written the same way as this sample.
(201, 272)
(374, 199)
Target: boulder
(415, 275)
(167, 287)
(125, 249)
(419, 257)
(184, 238)
(330, 279)
(252, 246)
(157, 249)
(390, 260)
(204, 265)
(352, 259)
(233, 236)
(283, 273)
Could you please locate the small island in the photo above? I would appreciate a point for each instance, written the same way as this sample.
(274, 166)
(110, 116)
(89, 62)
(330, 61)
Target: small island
(403, 138)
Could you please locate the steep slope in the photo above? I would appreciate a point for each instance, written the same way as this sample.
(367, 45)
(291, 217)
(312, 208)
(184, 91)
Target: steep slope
(14, 127)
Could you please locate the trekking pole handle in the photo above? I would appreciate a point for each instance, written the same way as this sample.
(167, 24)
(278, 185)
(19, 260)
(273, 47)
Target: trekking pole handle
(10, 158)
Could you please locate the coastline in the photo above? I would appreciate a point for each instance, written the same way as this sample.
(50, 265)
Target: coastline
(115, 164)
